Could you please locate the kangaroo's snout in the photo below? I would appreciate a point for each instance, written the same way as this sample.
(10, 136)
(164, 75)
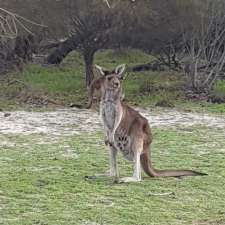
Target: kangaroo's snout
(116, 84)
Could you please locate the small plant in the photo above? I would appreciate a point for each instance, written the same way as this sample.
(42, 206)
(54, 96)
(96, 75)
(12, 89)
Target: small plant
(219, 88)
(218, 92)
(147, 88)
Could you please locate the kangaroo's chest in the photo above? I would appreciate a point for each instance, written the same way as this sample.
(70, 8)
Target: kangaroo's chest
(112, 117)
(109, 115)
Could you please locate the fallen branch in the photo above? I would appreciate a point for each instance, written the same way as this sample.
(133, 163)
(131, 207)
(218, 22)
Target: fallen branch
(153, 66)
(63, 49)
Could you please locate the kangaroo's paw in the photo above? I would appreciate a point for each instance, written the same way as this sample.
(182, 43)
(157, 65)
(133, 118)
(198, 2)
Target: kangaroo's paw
(106, 140)
(116, 180)
(129, 179)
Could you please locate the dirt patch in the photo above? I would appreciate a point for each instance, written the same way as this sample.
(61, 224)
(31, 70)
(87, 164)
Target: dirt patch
(74, 121)
(65, 121)
(174, 118)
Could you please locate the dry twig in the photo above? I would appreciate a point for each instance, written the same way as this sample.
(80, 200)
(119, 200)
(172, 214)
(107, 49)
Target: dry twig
(160, 194)
(107, 2)
(9, 23)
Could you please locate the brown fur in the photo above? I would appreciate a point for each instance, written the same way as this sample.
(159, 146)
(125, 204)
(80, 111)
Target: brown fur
(127, 130)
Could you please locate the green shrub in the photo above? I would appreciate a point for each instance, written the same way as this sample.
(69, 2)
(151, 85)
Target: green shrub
(219, 89)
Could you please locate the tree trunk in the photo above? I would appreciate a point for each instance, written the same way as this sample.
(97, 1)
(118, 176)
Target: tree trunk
(89, 59)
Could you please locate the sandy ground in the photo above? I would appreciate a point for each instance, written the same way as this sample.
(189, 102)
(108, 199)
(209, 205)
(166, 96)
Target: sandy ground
(75, 121)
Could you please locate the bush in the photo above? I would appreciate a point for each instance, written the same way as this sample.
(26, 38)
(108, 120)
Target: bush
(218, 92)
(219, 89)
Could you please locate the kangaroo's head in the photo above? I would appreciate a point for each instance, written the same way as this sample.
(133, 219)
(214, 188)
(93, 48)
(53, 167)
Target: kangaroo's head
(109, 80)
(112, 79)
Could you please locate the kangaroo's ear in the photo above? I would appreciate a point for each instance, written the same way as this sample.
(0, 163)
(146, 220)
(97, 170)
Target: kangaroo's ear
(120, 70)
(101, 70)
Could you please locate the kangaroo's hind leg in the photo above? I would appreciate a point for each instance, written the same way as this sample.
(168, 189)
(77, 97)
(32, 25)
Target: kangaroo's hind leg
(138, 147)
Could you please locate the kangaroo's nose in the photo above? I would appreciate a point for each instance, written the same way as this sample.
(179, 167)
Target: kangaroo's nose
(116, 84)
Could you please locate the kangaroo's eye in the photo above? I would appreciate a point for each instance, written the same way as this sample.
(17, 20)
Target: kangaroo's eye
(109, 78)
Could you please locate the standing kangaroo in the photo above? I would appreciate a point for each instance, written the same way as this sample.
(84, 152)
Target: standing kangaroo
(126, 130)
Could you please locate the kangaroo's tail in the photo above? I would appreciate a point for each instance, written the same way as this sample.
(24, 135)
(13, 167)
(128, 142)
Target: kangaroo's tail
(150, 171)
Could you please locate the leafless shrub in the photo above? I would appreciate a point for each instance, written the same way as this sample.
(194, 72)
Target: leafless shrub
(205, 46)
(99, 27)
(15, 48)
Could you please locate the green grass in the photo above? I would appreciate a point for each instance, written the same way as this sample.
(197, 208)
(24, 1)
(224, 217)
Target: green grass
(42, 181)
(219, 89)
(43, 178)
(110, 59)
(200, 106)
(65, 83)
(147, 89)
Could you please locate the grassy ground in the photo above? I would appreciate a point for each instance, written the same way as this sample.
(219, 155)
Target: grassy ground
(43, 178)
(65, 83)
(42, 181)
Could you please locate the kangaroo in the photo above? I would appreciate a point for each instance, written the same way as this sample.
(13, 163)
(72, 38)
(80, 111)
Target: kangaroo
(126, 130)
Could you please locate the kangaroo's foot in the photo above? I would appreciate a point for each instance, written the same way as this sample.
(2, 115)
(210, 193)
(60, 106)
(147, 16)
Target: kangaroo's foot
(129, 179)
(114, 175)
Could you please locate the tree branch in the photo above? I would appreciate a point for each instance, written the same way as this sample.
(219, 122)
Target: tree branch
(9, 23)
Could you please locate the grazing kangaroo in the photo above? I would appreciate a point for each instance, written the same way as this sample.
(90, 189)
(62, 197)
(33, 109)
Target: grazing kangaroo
(126, 130)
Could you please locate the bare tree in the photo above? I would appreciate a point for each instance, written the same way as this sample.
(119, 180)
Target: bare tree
(14, 47)
(157, 30)
(95, 26)
(92, 32)
(205, 45)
